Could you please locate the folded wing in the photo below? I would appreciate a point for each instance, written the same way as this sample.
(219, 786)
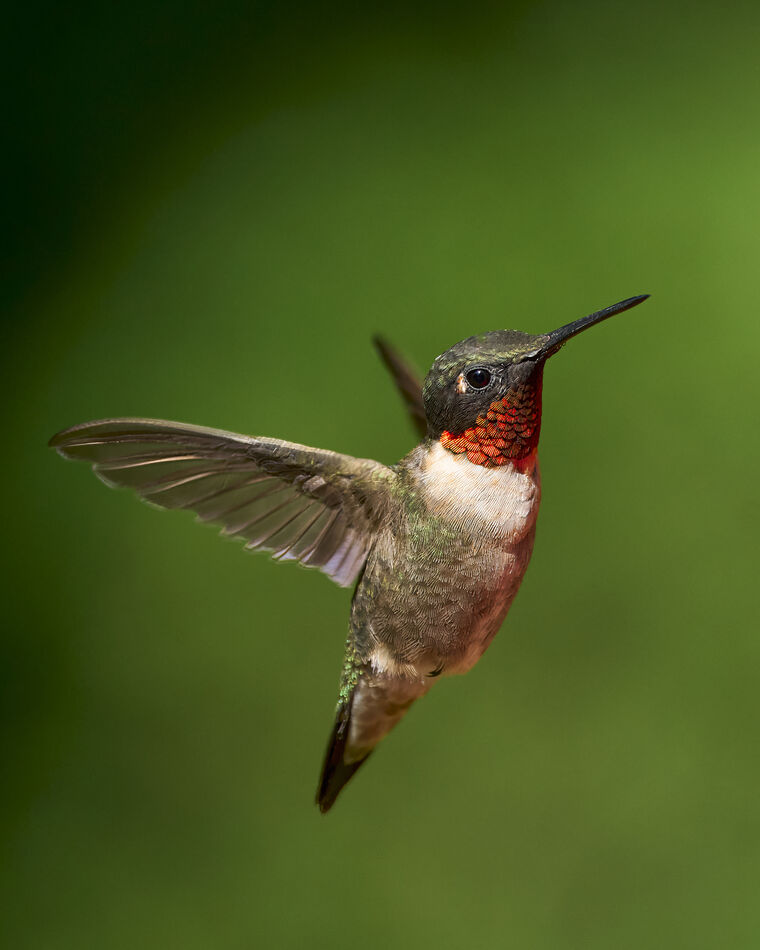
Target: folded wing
(317, 507)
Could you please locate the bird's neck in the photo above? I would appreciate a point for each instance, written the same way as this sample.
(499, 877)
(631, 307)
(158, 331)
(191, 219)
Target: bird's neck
(507, 432)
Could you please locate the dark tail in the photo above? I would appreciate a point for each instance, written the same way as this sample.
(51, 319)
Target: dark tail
(335, 771)
(373, 708)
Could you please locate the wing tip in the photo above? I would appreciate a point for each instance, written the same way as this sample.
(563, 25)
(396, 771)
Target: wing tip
(64, 436)
(58, 441)
(407, 382)
(386, 350)
(61, 440)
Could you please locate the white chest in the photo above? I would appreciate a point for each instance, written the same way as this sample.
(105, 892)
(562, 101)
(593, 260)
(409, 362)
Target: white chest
(501, 502)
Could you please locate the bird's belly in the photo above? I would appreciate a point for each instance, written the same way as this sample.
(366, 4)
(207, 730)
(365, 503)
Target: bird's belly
(479, 607)
(436, 610)
(438, 585)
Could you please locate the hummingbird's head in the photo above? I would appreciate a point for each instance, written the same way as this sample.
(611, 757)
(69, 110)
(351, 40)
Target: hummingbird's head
(483, 396)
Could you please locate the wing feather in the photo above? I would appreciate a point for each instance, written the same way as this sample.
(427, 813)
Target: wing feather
(407, 382)
(310, 505)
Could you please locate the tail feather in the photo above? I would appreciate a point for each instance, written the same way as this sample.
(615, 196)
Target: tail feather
(371, 710)
(336, 771)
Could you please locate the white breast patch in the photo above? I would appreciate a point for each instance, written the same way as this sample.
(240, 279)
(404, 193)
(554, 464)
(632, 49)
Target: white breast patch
(501, 502)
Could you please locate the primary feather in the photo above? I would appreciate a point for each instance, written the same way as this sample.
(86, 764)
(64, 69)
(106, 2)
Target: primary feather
(311, 505)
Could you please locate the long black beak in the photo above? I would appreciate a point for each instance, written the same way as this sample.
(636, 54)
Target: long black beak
(557, 338)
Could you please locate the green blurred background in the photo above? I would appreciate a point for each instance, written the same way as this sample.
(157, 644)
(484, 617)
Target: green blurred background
(211, 209)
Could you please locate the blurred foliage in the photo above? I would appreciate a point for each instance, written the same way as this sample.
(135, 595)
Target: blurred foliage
(212, 208)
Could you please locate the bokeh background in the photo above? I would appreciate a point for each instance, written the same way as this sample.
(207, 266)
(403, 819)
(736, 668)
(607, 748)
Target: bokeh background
(211, 207)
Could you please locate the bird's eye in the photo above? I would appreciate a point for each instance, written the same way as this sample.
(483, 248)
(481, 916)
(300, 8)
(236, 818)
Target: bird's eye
(478, 378)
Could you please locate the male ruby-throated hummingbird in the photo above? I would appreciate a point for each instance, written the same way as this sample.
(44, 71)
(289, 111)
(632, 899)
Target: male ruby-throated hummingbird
(439, 542)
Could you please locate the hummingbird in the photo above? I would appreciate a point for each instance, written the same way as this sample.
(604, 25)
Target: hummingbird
(436, 545)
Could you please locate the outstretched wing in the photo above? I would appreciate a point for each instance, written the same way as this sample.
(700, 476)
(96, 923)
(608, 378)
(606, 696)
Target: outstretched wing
(407, 381)
(320, 508)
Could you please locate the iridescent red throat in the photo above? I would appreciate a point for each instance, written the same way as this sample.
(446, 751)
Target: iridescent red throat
(508, 432)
